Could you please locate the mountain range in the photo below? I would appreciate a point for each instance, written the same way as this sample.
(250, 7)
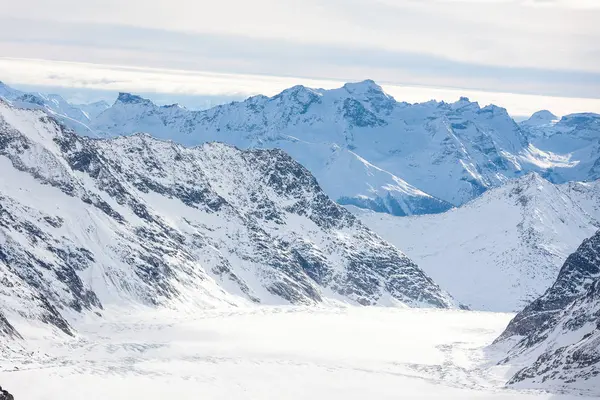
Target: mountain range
(86, 223)
(367, 149)
(139, 205)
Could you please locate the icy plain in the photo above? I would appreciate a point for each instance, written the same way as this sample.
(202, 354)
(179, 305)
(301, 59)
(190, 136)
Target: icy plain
(266, 353)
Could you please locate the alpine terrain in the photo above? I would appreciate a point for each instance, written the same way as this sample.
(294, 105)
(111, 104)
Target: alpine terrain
(504, 249)
(369, 150)
(558, 335)
(85, 223)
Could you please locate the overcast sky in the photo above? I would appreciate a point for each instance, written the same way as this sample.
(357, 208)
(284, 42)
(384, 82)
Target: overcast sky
(541, 51)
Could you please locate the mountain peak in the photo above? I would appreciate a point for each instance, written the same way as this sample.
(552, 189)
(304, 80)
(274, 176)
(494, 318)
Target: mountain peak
(543, 114)
(368, 85)
(539, 118)
(128, 98)
(464, 103)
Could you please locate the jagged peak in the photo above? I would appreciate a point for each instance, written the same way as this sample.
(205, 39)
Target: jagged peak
(532, 182)
(463, 102)
(128, 98)
(174, 106)
(296, 90)
(366, 86)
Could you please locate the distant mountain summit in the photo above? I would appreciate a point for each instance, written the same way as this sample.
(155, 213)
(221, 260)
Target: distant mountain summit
(540, 118)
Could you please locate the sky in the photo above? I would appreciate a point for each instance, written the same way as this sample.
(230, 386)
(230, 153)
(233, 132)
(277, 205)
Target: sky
(528, 54)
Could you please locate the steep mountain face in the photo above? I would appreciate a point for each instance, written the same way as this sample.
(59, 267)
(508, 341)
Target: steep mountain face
(558, 335)
(504, 249)
(86, 224)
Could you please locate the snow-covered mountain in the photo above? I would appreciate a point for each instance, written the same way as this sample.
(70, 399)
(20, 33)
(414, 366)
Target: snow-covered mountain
(362, 145)
(540, 119)
(570, 145)
(76, 117)
(558, 335)
(504, 249)
(86, 223)
(369, 150)
(366, 148)
(314, 126)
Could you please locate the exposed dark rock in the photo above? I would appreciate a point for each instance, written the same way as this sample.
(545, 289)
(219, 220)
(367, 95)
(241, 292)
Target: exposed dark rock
(570, 309)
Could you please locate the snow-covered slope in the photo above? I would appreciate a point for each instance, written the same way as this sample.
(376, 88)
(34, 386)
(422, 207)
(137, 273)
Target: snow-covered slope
(92, 110)
(558, 335)
(76, 117)
(571, 145)
(86, 223)
(502, 250)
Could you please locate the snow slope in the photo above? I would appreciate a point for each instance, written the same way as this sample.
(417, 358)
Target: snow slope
(558, 335)
(88, 223)
(76, 117)
(502, 250)
(269, 353)
(573, 143)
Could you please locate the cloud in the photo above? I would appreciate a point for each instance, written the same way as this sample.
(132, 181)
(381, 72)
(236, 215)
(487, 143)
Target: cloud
(115, 44)
(506, 33)
(543, 47)
(169, 84)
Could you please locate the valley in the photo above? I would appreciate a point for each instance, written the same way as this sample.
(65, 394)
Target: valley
(269, 353)
(138, 254)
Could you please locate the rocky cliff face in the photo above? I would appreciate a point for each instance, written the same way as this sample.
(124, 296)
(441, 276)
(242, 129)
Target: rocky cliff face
(86, 224)
(558, 335)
